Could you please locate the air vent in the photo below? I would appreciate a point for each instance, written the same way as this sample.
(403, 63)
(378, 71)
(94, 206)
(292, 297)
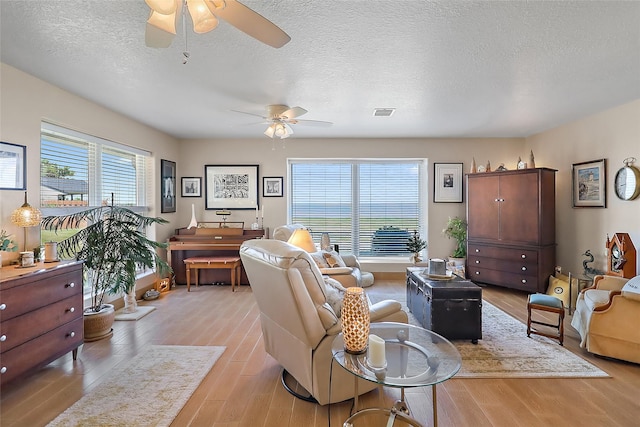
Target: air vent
(383, 112)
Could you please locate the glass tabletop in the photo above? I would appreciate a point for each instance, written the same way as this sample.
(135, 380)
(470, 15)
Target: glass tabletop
(415, 357)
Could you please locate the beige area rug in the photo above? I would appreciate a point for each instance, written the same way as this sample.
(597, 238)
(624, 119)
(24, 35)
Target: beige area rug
(142, 311)
(505, 351)
(148, 390)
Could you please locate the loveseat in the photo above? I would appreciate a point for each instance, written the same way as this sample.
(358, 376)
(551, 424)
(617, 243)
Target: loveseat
(349, 274)
(298, 323)
(607, 317)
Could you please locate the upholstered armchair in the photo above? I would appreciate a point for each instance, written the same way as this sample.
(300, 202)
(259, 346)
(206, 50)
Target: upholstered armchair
(298, 323)
(349, 274)
(607, 317)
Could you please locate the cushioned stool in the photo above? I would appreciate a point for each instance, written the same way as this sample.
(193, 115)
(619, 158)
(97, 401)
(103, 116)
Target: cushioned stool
(548, 303)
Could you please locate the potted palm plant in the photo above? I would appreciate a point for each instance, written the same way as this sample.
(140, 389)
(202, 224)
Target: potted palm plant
(457, 229)
(113, 246)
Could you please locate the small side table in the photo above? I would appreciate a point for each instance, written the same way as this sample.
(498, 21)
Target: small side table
(416, 357)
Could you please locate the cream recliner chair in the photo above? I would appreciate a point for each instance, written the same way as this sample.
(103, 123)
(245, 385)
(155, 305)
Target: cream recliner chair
(351, 275)
(607, 318)
(298, 325)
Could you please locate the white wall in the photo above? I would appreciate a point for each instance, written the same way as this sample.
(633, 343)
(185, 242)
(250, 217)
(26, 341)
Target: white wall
(613, 135)
(25, 101)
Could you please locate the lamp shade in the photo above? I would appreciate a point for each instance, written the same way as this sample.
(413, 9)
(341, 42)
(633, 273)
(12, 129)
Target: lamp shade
(302, 239)
(26, 215)
(203, 20)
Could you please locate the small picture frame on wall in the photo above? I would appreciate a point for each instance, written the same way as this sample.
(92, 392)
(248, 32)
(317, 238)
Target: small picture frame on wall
(167, 186)
(13, 166)
(589, 184)
(191, 186)
(447, 182)
(272, 186)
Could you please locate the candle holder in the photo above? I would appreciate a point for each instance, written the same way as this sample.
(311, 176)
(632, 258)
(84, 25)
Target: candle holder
(255, 225)
(355, 321)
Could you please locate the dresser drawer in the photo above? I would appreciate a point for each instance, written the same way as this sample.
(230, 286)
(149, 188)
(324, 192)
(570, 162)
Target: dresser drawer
(47, 290)
(503, 253)
(42, 350)
(525, 267)
(511, 280)
(18, 330)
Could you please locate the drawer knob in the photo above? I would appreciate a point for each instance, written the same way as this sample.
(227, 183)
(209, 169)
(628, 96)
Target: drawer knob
(524, 268)
(477, 272)
(524, 280)
(71, 310)
(523, 256)
(72, 334)
(3, 370)
(3, 306)
(477, 261)
(70, 285)
(3, 338)
(477, 250)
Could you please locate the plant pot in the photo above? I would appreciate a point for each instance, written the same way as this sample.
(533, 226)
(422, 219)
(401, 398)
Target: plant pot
(98, 325)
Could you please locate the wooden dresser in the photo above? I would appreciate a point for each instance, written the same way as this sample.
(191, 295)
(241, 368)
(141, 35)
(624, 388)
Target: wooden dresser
(511, 231)
(40, 316)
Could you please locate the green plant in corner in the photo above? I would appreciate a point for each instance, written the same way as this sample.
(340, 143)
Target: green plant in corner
(6, 243)
(457, 229)
(113, 246)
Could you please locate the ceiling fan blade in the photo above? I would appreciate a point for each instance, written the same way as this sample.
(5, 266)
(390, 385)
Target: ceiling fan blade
(155, 37)
(317, 123)
(253, 24)
(293, 112)
(250, 114)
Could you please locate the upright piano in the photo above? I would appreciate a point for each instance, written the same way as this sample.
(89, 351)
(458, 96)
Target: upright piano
(214, 241)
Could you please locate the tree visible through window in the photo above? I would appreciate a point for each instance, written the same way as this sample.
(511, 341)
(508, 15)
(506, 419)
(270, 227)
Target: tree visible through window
(368, 207)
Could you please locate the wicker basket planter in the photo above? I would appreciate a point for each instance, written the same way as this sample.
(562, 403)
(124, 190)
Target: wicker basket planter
(98, 325)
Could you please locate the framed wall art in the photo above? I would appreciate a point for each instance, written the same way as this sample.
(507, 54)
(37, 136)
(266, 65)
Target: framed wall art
(13, 166)
(447, 182)
(168, 186)
(191, 186)
(272, 186)
(231, 186)
(589, 184)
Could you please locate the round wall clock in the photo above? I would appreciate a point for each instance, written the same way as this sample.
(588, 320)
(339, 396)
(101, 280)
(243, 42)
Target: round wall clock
(627, 182)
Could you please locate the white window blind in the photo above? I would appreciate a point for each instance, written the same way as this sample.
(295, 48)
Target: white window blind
(368, 207)
(80, 170)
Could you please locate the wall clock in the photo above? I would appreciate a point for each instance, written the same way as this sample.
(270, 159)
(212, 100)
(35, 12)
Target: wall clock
(621, 256)
(627, 182)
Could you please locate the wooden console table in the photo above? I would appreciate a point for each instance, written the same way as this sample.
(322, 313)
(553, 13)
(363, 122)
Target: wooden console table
(208, 242)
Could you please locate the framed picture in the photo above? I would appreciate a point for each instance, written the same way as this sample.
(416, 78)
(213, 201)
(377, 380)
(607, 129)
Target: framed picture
(272, 186)
(13, 166)
(168, 186)
(589, 184)
(191, 186)
(447, 182)
(231, 186)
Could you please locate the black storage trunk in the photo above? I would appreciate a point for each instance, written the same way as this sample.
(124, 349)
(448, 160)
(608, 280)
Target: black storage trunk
(451, 308)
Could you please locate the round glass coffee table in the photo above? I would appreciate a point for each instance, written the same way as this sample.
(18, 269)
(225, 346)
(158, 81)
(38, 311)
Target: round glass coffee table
(415, 357)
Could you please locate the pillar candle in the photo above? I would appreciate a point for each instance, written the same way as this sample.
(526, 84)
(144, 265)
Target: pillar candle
(377, 358)
(257, 210)
(263, 210)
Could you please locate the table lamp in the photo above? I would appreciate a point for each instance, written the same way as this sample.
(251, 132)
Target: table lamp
(26, 216)
(302, 239)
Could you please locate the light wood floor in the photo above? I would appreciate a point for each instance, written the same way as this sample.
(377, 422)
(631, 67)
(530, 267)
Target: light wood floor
(243, 388)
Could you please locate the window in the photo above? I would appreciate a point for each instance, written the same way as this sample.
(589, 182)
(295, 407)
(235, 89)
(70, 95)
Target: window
(368, 207)
(79, 170)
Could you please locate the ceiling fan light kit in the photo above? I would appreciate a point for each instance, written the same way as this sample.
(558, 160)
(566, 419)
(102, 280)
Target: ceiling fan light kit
(205, 15)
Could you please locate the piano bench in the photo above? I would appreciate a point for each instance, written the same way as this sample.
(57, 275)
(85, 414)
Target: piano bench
(225, 262)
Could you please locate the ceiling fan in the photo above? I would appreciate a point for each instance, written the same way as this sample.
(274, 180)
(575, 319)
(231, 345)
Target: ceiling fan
(281, 117)
(161, 25)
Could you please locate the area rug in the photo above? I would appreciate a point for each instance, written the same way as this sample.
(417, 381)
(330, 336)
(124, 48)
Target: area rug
(142, 311)
(148, 390)
(505, 351)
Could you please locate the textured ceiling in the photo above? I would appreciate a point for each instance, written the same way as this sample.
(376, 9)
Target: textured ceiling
(451, 69)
